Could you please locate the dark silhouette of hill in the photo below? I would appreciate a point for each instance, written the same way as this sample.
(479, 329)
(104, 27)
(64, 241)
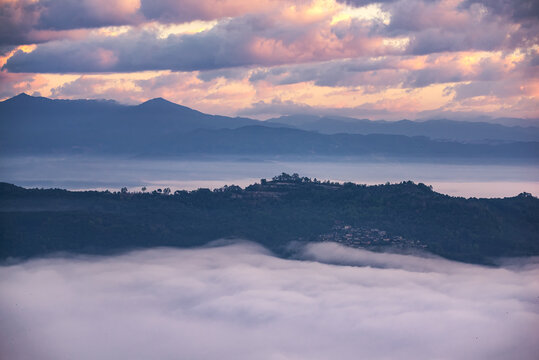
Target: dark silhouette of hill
(467, 131)
(260, 140)
(287, 208)
(37, 126)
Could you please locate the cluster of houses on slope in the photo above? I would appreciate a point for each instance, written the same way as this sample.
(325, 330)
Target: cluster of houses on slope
(368, 238)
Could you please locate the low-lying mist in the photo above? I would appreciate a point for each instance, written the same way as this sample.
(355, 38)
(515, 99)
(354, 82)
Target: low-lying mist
(86, 172)
(238, 301)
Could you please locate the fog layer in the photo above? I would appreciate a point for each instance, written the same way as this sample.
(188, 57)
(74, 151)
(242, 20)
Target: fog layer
(238, 301)
(82, 173)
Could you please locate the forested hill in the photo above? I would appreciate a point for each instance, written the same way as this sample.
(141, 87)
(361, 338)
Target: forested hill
(36, 222)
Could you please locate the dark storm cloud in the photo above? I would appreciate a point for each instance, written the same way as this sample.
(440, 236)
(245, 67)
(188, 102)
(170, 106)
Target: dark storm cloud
(238, 301)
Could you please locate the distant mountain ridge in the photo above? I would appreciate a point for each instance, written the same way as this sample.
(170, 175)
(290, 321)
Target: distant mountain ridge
(261, 140)
(37, 124)
(442, 129)
(157, 127)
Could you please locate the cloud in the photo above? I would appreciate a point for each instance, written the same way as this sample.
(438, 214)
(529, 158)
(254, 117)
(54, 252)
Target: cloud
(76, 14)
(83, 87)
(30, 21)
(387, 72)
(239, 301)
(490, 38)
(442, 26)
(277, 107)
(446, 25)
(301, 53)
(500, 81)
(517, 9)
(11, 84)
(16, 19)
(360, 3)
(480, 88)
(376, 73)
(251, 40)
(256, 38)
(336, 254)
(212, 95)
(189, 10)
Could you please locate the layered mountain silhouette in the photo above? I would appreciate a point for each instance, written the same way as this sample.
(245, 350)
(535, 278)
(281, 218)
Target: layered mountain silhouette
(467, 131)
(38, 125)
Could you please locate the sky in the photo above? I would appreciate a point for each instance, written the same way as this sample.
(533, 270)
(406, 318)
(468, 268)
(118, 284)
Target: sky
(238, 301)
(388, 59)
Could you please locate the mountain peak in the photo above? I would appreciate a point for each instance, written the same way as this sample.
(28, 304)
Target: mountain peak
(21, 97)
(159, 104)
(24, 98)
(159, 101)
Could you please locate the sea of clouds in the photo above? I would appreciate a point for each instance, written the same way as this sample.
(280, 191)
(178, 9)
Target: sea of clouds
(236, 300)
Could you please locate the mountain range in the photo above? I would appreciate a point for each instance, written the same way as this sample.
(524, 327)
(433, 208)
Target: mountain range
(38, 125)
(443, 129)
